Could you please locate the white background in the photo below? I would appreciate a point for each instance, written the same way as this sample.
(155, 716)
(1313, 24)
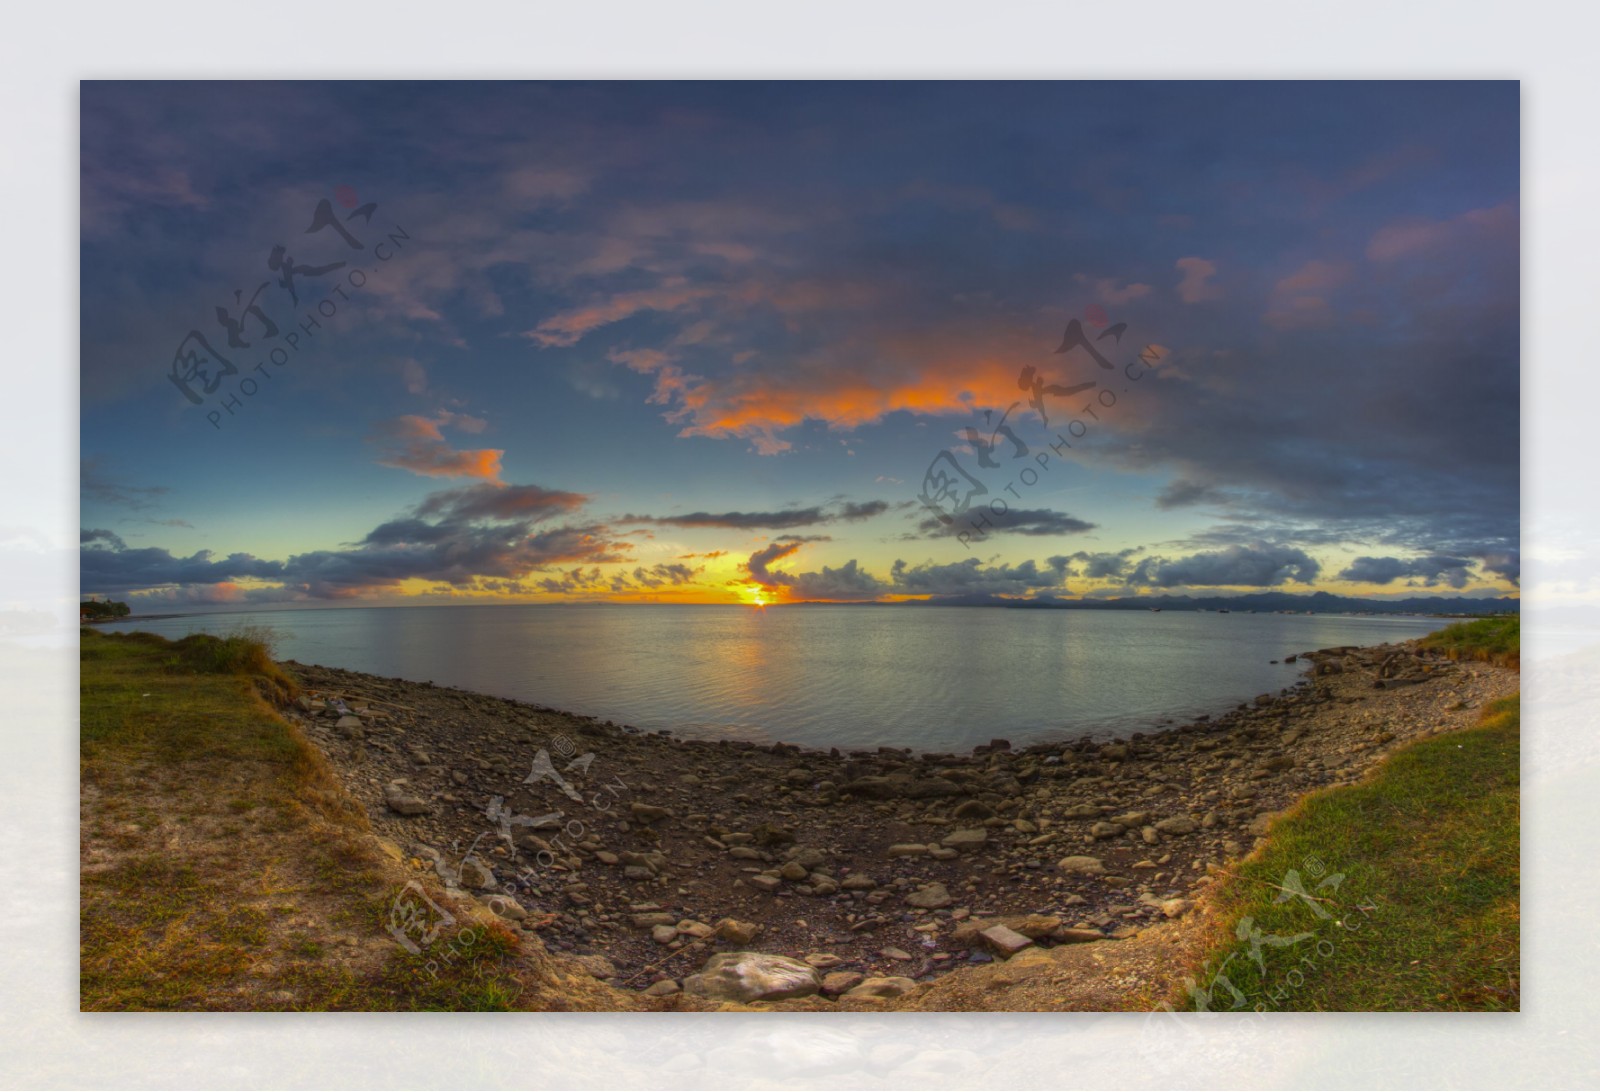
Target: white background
(44, 1042)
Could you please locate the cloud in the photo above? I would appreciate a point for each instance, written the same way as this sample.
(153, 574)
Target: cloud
(849, 581)
(414, 376)
(96, 484)
(494, 500)
(574, 580)
(1196, 286)
(775, 520)
(864, 510)
(1506, 564)
(416, 444)
(1104, 566)
(1262, 566)
(107, 566)
(1181, 493)
(569, 327)
(792, 517)
(971, 576)
(1419, 238)
(1428, 571)
(1107, 291)
(664, 574)
(88, 536)
(1301, 300)
(455, 538)
(759, 564)
(1018, 521)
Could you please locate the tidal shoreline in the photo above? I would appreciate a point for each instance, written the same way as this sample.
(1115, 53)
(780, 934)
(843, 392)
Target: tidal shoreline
(629, 850)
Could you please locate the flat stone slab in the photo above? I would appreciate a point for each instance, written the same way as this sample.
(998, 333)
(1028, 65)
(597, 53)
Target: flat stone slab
(1005, 941)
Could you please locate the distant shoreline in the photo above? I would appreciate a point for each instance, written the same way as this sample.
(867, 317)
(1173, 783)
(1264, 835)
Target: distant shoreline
(1372, 608)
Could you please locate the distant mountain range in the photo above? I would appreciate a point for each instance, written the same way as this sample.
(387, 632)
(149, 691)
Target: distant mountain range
(1317, 603)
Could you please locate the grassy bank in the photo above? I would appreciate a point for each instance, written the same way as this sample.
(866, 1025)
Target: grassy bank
(223, 867)
(1397, 894)
(1489, 640)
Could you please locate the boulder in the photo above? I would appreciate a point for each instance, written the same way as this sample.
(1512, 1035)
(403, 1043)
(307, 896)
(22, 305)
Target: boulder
(932, 897)
(737, 932)
(403, 803)
(838, 982)
(1070, 935)
(973, 809)
(964, 840)
(1082, 866)
(748, 977)
(649, 813)
(1004, 941)
(883, 988)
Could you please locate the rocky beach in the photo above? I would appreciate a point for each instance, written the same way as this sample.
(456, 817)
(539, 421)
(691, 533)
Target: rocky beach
(696, 873)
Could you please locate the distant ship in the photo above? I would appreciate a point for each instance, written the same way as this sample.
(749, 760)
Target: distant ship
(1223, 610)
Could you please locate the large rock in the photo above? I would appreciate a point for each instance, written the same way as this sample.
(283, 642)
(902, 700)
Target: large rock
(1082, 866)
(1004, 941)
(737, 932)
(932, 897)
(471, 875)
(973, 809)
(837, 982)
(892, 986)
(403, 803)
(1178, 824)
(965, 840)
(753, 976)
(649, 813)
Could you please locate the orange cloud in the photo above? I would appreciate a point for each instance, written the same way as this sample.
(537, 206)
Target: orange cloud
(416, 444)
(933, 373)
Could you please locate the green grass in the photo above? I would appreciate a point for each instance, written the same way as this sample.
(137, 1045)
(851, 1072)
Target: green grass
(141, 694)
(1493, 640)
(213, 833)
(1411, 883)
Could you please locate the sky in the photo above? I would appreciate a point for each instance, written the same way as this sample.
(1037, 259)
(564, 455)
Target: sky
(376, 342)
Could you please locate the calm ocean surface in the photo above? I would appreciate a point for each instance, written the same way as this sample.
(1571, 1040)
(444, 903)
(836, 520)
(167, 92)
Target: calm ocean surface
(929, 678)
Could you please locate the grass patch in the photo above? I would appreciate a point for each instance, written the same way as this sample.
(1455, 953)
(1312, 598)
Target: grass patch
(223, 867)
(1491, 640)
(1397, 894)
